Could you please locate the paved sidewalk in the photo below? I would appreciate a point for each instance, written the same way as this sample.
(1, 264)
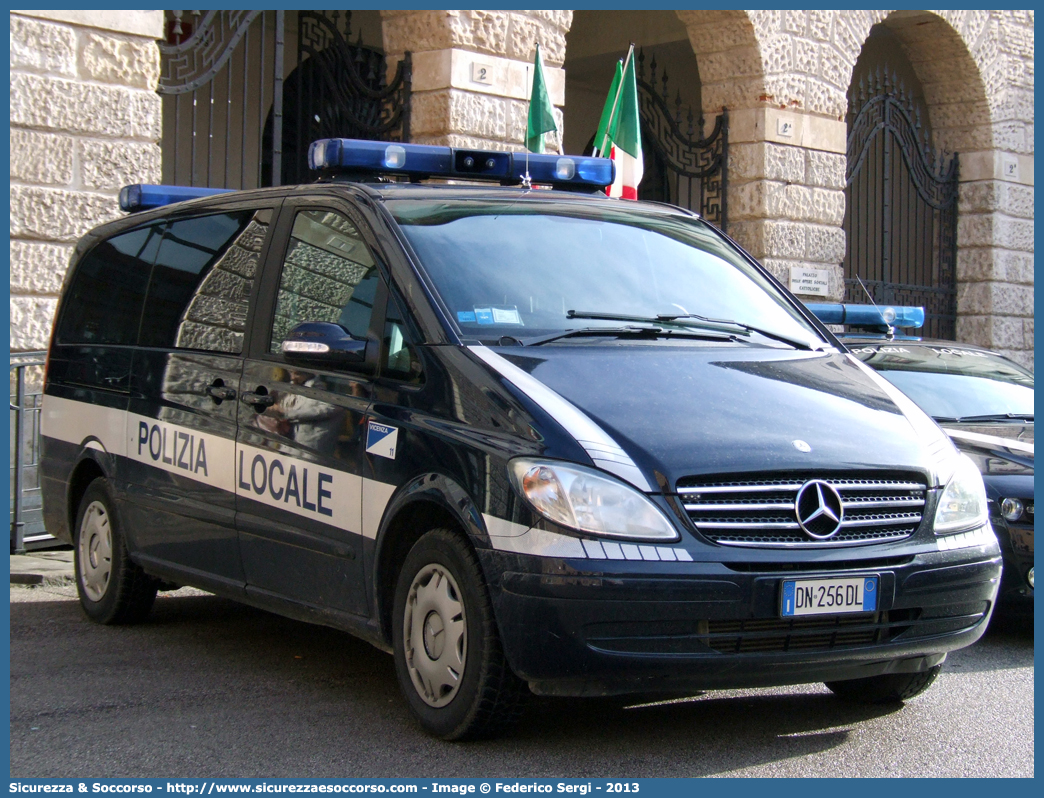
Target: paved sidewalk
(38, 567)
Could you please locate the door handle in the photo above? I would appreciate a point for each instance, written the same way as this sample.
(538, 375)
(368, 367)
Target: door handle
(219, 392)
(257, 400)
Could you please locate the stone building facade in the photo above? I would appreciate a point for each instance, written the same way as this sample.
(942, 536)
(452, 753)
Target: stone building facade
(783, 75)
(85, 120)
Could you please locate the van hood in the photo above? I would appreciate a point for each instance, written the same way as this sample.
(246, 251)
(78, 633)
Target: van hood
(682, 411)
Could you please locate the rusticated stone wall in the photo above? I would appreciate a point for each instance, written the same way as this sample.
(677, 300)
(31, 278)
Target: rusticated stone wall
(85, 120)
(454, 102)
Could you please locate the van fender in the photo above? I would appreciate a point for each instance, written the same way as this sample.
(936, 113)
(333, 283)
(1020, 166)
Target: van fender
(93, 461)
(426, 501)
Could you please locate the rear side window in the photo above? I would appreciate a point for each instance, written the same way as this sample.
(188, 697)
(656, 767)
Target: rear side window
(104, 300)
(202, 282)
(328, 275)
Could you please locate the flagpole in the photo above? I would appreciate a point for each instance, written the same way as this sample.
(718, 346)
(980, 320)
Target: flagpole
(616, 101)
(527, 181)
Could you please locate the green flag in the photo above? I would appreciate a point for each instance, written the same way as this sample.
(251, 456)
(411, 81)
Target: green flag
(541, 119)
(600, 140)
(626, 132)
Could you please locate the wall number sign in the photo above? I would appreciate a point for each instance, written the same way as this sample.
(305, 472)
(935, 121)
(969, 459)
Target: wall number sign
(481, 73)
(1010, 167)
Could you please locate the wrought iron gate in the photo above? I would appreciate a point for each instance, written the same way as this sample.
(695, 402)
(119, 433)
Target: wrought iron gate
(681, 167)
(240, 108)
(900, 207)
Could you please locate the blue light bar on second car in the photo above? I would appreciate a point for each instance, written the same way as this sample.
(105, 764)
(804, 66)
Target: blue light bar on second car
(868, 315)
(424, 161)
(143, 197)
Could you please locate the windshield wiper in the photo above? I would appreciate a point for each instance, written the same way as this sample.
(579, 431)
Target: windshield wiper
(695, 320)
(637, 332)
(985, 417)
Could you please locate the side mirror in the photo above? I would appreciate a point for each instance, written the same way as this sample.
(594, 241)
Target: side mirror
(322, 342)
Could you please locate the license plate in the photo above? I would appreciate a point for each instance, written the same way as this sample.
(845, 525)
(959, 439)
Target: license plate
(831, 596)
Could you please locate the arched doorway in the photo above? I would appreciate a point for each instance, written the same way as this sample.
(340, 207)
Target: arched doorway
(337, 90)
(900, 194)
(232, 80)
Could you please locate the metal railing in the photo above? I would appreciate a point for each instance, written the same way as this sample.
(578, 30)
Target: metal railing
(26, 394)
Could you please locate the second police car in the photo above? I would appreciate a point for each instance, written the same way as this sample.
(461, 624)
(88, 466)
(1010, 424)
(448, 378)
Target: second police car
(981, 399)
(526, 440)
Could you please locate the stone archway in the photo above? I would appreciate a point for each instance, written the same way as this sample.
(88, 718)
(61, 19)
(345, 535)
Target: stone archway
(977, 88)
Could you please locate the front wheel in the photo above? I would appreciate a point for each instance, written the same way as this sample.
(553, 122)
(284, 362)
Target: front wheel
(448, 657)
(889, 688)
(111, 587)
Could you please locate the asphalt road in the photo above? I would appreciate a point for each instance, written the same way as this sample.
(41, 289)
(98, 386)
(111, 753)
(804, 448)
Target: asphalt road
(209, 688)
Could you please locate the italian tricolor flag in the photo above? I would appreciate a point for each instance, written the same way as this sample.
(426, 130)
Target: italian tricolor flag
(619, 135)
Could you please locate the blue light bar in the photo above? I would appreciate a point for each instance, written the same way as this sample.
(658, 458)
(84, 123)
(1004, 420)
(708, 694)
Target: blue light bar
(423, 161)
(868, 315)
(143, 197)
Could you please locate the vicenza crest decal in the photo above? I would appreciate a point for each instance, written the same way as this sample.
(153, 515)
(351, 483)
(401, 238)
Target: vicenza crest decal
(819, 510)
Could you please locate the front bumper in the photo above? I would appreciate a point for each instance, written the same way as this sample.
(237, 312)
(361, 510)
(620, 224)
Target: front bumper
(1016, 544)
(585, 627)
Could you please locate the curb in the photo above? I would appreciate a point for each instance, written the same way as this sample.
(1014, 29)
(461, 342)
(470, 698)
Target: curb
(26, 579)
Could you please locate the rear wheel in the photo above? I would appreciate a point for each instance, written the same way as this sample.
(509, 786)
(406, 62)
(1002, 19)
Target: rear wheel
(448, 657)
(112, 589)
(888, 688)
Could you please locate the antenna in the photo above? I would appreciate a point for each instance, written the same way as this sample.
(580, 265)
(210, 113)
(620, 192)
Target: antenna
(891, 330)
(866, 290)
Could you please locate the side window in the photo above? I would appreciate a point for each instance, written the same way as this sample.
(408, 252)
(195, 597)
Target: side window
(104, 300)
(400, 350)
(201, 284)
(328, 275)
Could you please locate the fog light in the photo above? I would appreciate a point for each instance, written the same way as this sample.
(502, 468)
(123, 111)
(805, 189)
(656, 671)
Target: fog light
(1029, 577)
(1011, 509)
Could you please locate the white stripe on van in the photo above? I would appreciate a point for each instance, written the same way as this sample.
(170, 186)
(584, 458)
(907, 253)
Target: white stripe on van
(606, 453)
(298, 486)
(288, 483)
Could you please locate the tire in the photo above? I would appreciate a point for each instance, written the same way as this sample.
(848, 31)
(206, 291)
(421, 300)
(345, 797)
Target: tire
(112, 589)
(448, 657)
(889, 688)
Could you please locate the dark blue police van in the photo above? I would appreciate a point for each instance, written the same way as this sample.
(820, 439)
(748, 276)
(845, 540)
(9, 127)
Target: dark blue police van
(528, 440)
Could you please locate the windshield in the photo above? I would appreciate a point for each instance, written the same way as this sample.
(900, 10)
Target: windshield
(518, 269)
(951, 383)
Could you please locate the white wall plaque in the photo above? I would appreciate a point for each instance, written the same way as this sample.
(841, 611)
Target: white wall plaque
(785, 127)
(482, 73)
(1010, 167)
(811, 282)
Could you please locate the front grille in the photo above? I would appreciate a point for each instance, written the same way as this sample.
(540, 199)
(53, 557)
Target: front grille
(754, 635)
(766, 635)
(761, 512)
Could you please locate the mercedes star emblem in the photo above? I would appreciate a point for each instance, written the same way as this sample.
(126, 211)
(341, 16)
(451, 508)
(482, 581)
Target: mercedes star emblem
(818, 509)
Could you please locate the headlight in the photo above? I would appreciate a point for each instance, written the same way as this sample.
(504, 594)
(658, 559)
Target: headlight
(963, 503)
(1011, 509)
(588, 501)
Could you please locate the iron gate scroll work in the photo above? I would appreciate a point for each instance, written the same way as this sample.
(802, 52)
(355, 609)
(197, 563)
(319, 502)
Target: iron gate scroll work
(240, 112)
(338, 89)
(900, 207)
(685, 169)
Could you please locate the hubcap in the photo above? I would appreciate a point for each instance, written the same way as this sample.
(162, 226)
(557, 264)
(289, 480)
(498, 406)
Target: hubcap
(95, 551)
(435, 635)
